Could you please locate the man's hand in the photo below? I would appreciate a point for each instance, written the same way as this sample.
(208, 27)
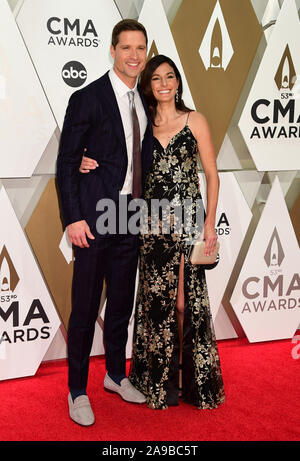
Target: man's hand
(87, 164)
(77, 233)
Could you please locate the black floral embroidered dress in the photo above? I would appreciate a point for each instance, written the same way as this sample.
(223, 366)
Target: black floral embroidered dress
(154, 368)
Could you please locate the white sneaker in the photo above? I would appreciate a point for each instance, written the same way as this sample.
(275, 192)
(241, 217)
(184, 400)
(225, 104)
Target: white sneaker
(126, 390)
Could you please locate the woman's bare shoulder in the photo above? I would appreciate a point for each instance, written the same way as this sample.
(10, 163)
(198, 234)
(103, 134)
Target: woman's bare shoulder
(197, 117)
(198, 122)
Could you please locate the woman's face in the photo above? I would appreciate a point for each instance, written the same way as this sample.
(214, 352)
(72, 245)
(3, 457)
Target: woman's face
(164, 83)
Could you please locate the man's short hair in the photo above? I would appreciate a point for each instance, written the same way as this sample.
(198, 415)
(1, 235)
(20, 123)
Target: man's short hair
(126, 24)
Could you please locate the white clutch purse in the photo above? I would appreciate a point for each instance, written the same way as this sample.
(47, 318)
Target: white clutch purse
(197, 255)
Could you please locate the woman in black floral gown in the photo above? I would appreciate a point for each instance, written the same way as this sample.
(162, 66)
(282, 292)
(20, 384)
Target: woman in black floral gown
(173, 324)
(174, 346)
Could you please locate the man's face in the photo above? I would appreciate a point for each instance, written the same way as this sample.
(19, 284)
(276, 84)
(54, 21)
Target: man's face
(129, 56)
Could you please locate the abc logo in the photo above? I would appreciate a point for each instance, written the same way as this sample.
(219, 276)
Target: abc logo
(74, 74)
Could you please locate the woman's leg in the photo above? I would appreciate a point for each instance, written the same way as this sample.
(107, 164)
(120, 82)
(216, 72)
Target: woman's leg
(180, 313)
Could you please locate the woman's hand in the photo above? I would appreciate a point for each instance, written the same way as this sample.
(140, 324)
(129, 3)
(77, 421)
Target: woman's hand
(210, 237)
(87, 164)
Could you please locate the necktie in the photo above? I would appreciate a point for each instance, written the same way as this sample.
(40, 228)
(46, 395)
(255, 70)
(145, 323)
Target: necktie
(136, 150)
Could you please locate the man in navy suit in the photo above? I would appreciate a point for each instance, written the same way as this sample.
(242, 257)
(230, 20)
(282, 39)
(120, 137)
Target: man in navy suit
(99, 119)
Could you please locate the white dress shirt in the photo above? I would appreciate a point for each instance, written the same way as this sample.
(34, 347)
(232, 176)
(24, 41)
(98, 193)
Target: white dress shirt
(121, 91)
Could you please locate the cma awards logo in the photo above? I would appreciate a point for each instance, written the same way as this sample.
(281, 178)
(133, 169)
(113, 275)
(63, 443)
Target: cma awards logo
(12, 328)
(274, 254)
(223, 227)
(276, 290)
(76, 32)
(9, 278)
(216, 49)
(286, 75)
(270, 115)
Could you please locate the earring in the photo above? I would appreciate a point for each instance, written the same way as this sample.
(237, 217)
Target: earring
(176, 96)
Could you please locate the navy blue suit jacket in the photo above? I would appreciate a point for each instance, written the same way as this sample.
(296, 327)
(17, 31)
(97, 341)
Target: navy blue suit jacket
(93, 121)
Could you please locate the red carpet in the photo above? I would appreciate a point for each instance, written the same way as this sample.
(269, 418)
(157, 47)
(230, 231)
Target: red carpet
(262, 403)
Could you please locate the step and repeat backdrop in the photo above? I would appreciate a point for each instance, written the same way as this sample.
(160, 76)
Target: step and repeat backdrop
(240, 64)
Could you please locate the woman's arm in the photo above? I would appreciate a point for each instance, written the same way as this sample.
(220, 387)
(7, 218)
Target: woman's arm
(200, 129)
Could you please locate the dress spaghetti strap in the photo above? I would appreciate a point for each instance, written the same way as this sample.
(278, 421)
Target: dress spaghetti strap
(187, 119)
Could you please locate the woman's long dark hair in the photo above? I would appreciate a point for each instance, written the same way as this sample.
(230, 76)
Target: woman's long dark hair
(145, 84)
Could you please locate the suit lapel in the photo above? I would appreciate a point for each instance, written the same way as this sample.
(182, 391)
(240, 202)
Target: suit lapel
(110, 101)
